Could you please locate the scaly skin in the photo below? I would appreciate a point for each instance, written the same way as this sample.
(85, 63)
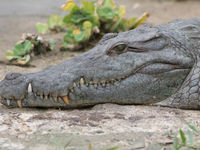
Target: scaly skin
(142, 66)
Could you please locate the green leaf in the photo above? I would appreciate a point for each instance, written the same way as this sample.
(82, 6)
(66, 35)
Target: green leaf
(175, 143)
(80, 16)
(122, 11)
(106, 14)
(88, 7)
(95, 21)
(141, 20)
(190, 137)
(76, 12)
(67, 20)
(113, 148)
(52, 21)
(69, 5)
(69, 37)
(55, 21)
(35, 42)
(22, 48)
(194, 128)
(59, 145)
(24, 60)
(52, 43)
(131, 22)
(87, 26)
(80, 37)
(109, 4)
(42, 28)
(183, 138)
(27, 46)
(67, 144)
(9, 55)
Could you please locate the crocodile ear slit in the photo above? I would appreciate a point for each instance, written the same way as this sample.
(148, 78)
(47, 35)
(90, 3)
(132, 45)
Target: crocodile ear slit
(191, 31)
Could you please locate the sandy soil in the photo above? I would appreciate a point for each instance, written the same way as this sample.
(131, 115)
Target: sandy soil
(108, 125)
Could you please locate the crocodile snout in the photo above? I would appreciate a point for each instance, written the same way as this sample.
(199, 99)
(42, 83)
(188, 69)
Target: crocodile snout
(14, 87)
(12, 76)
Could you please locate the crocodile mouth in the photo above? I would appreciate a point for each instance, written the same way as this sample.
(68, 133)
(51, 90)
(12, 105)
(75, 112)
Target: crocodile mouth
(159, 68)
(32, 97)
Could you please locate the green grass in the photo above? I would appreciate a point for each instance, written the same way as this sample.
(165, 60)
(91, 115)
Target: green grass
(186, 140)
(183, 140)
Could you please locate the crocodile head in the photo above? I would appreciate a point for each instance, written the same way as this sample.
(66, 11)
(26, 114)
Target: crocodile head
(141, 66)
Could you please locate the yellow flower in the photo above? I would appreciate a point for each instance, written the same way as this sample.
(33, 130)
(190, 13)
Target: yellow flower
(76, 31)
(122, 11)
(69, 5)
(115, 18)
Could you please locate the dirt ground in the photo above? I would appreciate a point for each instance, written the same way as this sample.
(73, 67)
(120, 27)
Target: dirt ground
(108, 125)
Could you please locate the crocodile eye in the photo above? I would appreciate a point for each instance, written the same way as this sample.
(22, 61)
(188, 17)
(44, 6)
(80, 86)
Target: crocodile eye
(118, 49)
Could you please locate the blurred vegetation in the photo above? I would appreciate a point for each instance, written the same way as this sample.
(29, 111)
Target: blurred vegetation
(89, 21)
(81, 24)
(182, 140)
(29, 45)
(186, 141)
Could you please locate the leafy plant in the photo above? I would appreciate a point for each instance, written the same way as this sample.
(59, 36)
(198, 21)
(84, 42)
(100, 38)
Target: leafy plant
(90, 20)
(30, 44)
(112, 17)
(20, 52)
(54, 23)
(81, 22)
(186, 141)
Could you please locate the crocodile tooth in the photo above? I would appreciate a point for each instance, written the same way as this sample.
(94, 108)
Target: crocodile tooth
(71, 90)
(82, 81)
(19, 103)
(37, 93)
(29, 88)
(90, 82)
(12, 98)
(74, 84)
(78, 85)
(41, 96)
(1, 97)
(65, 99)
(103, 85)
(122, 78)
(8, 102)
(119, 79)
(55, 99)
(24, 96)
(46, 97)
(96, 85)
(112, 81)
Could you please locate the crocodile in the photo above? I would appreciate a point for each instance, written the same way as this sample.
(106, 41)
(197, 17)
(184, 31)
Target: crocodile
(148, 65)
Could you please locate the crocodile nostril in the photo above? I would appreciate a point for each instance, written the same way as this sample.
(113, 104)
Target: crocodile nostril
(12, 76)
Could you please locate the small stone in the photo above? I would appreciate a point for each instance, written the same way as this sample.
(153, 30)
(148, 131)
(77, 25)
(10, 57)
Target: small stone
(99, 131)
